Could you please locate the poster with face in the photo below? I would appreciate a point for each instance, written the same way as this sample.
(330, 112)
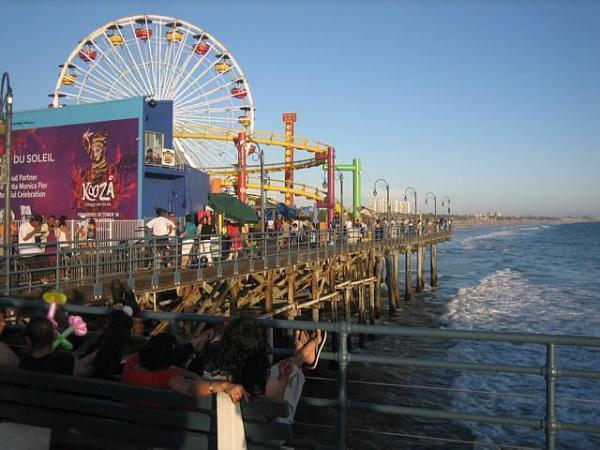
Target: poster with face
(80, 171)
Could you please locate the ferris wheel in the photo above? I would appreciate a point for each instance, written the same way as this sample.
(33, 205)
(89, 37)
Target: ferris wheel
(164, 58)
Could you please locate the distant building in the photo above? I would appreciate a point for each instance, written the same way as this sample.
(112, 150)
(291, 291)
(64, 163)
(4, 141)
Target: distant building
(396, 206)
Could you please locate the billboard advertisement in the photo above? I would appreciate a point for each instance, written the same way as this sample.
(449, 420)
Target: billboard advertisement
(80, 171)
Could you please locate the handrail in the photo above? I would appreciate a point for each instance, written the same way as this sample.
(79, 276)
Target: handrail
(94, 262)
(550, 371)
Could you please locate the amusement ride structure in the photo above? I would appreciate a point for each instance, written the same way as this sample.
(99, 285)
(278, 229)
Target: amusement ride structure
(166, 58)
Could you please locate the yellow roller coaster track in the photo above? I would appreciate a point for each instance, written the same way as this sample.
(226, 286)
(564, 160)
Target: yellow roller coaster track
(298, 189)
(274, 167)
(261, 137)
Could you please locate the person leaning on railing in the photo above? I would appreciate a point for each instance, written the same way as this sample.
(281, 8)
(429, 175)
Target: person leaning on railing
(188, 234)
(206, 230)
(31, 250)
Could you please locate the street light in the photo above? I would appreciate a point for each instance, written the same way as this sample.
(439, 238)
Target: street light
(387, 190)
(340, 176)
(411, 190)
(6, 113)
(431, 194)
(445, 198)
(257, 153)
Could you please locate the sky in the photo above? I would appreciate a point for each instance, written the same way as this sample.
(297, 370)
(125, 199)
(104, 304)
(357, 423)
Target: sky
(495, 104)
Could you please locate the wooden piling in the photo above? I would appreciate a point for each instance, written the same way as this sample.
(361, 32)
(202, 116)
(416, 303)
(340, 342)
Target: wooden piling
(234, 293)
(420, 268)
(392, 281)
(268, 286)
(362, 315)
(407, 278)
(433, 265)
(377, 292)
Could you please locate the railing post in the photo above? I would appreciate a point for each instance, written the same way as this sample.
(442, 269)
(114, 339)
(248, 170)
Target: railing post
(342, 360)
(220, 261)
(130, 250)
(97, 285)
(57, 267)
(251, 243)
(177, 267)
(289, 245)
(551, 373)
(155, 263)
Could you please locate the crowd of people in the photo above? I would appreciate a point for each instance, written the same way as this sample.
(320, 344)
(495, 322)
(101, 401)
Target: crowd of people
(191, 241)
(39, 237)
(231, 358)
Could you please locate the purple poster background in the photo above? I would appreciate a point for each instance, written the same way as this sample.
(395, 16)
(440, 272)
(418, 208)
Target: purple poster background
(83, 170)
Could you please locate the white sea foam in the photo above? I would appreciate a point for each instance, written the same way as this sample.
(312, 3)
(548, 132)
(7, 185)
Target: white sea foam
(506, 301)
(471, 242)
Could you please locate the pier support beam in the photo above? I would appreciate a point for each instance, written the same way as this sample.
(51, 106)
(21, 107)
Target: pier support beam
(433, 265)
(362, 314)
(268, 286)
(391, 268)
(407, 278)
(377, 293)
(420, 268)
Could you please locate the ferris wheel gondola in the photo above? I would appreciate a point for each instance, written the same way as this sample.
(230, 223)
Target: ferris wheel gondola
(164, 58)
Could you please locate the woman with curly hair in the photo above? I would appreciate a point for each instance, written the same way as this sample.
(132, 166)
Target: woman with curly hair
(241, 357)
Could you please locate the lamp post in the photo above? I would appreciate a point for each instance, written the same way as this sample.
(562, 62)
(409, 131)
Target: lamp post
(340, 176)
(6, 113)
(445, 198)
(387, 190)
(257, 152)
(411, 190)
(432, 195)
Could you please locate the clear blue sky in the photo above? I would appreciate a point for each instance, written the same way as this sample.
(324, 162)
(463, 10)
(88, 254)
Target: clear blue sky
(496, 104)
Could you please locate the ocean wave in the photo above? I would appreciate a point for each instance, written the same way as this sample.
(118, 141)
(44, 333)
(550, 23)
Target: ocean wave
(506, 301)
(470, 242)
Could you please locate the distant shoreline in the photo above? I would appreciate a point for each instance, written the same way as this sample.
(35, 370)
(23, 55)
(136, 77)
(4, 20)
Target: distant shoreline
(470, 223)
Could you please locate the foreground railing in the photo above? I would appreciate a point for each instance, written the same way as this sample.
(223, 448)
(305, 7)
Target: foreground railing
(550, 372)
(94, 262)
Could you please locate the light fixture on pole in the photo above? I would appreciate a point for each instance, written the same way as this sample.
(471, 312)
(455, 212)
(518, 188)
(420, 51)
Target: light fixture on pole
(446, 199)
(432, 195)
(387, 190)
(257, 153)
(411, 190)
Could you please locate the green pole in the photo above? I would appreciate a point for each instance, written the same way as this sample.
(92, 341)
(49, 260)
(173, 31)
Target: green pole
(356, 169)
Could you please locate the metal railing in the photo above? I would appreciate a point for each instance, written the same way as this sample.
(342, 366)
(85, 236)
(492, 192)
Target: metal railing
(95, 262)
(549, 373)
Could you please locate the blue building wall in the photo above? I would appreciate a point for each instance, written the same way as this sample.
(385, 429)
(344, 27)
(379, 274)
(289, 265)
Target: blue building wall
(183, 190)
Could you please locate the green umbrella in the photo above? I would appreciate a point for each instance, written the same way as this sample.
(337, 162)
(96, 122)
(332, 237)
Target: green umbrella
(232, 208)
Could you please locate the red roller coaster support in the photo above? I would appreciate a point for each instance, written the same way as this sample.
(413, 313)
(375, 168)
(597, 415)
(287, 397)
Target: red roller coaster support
(289, 119)
(241, 188)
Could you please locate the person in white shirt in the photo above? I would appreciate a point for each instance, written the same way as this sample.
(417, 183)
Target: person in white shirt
(30, 249)
(161, 227)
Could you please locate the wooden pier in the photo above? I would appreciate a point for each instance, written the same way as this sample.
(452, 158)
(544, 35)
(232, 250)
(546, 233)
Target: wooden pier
(315, 275)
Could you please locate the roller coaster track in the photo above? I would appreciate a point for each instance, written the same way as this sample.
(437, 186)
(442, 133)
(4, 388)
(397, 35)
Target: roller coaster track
(261, 137)
(273, 167)
(298, 189)
(274, 185)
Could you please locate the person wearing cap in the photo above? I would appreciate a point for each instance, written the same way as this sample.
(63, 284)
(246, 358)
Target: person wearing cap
(30, 249)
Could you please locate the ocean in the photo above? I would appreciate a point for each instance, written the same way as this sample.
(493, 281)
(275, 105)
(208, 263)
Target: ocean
(532, 279)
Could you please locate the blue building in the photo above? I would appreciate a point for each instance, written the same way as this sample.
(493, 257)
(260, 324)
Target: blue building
(108, 160)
